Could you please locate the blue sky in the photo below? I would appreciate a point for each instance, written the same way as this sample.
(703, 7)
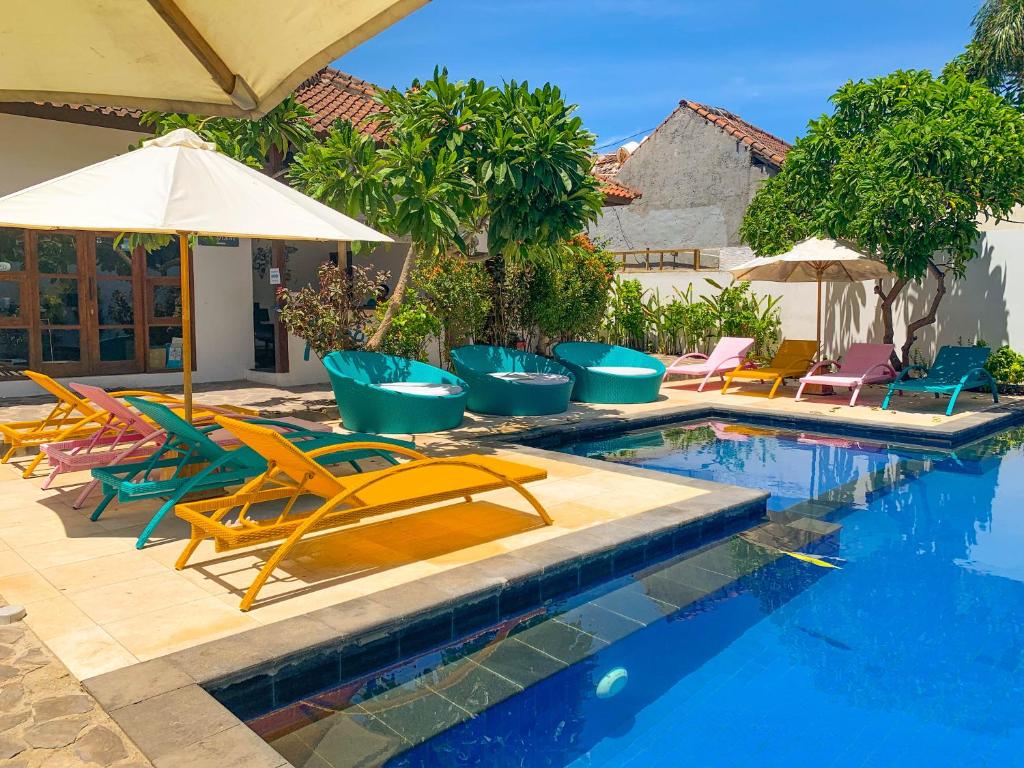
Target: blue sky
(627, 63)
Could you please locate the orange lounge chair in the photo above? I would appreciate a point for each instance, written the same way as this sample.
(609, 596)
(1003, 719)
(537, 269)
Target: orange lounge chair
(345, 499)
(790, 362)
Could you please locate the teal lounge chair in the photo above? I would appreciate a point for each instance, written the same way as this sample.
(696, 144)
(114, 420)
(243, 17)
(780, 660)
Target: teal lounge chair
(510, 382)
(610, 374)
(196, 463)
(954, 370)
(394, 395)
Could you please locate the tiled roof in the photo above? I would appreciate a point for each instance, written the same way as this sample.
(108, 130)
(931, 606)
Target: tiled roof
(761, 143)
(614, 192)
(334, 95)
(607, 165)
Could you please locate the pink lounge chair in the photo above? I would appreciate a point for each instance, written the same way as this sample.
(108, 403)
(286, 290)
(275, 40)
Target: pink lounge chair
(862, 364)
(126, 437)
(729, 352)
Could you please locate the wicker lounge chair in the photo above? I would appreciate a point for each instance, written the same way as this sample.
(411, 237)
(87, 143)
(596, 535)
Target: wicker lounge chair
(729, 352)
(610, 374)
(73, 417)
(393, 395)
(197, 463)
(345, 500)
(792, 361)
(954, 370)
(861, 365)
(509, 382)
(126, 437)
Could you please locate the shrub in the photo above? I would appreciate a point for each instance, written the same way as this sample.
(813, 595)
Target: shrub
(330, 315)
(569, 291)
(411, 326)
(458, 292)
(1006, 366)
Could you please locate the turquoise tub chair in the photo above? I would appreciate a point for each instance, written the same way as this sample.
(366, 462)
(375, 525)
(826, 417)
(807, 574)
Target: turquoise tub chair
(394, 395)
(610, 374)
(509, 382)
(954, 370)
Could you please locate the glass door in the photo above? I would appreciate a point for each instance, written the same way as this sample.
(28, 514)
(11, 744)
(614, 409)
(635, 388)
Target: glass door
(115, 307)
(63, 325)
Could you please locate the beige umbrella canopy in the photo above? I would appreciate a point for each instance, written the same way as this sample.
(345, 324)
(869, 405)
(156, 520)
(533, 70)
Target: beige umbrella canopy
(238, 58)
(814, 260)
(180, 185)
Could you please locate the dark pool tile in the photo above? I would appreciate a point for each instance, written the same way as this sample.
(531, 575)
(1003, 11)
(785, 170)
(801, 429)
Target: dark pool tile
(600, 622)
(564, 642)
(358, 658)
(475, 615)
(415, 713)
(673, 593)
(560, 582)
(472, 687)
(308, 676)
(629, 557)
(424, 634)
(518, 662)
(634, 603)
(519, 597)
(659, 546)
(596, 569)
(248, 698)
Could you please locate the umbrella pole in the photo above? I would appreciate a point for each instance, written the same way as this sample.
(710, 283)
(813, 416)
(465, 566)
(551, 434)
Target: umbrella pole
(818, 324)
(186, 323)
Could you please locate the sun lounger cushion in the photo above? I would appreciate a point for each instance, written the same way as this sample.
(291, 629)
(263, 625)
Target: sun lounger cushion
(621, 370)
(543, 379)
(421, 388)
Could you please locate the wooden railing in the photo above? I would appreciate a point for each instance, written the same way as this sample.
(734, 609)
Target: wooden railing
(648, 257)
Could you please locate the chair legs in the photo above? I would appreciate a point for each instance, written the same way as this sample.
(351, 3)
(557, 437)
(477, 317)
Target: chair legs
(856, 394)
(775, 387)
(800, 392)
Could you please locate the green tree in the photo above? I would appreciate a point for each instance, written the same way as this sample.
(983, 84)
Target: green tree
(903, 168)
(995, 55)
(460, 158)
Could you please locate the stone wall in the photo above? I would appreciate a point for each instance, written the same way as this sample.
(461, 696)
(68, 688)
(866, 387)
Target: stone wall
(696, 182)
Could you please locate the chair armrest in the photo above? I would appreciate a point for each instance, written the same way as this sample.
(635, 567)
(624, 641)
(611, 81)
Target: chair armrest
(343, 446)
(689, 356)
(973, 372)
(816, 366)
(882, 366)
(905, 373)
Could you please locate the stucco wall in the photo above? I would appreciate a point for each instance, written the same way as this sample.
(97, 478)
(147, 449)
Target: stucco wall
(696, 182)
(33, 150)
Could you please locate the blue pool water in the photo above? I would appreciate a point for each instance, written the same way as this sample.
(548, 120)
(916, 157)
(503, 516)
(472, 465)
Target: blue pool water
(910, 651)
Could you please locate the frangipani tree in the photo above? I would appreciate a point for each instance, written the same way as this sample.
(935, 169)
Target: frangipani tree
(903, 168)
(460, 158)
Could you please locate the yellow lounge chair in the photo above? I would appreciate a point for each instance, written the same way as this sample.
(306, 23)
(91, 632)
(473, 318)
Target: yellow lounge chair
(792, 361)
(73, 416)
(347, 499)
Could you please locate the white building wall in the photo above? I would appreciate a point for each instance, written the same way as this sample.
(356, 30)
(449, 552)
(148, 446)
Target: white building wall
(34, 150)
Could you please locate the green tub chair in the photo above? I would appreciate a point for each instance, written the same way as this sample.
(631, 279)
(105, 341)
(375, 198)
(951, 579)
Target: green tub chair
(384, 394)
(509, 382)
(954, 370)
(610, 374)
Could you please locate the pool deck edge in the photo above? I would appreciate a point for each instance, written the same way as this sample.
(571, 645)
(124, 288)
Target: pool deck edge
(164, 707)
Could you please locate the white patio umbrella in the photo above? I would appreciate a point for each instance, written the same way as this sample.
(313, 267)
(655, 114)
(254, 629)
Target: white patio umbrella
(814, 260)
(178, 184)
(238, 58)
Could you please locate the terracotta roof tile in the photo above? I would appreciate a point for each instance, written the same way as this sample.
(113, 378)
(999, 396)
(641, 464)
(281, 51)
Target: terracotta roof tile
(334, 95)
(614, 192)
(763, 144)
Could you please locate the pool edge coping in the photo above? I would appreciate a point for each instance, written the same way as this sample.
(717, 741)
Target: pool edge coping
(163, 704)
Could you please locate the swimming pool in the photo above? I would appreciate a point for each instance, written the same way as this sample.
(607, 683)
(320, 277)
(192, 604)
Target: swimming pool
(876, 619)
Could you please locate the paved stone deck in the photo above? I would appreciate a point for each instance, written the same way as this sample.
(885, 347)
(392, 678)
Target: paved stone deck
(46, 718)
